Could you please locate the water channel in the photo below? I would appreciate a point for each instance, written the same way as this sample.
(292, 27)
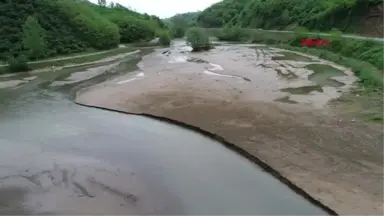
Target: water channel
(57, 157)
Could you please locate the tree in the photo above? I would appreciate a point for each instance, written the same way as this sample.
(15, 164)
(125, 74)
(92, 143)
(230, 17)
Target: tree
(33, 38)
(164, 38)
(285, 18)
(102, 3)
(198, 39)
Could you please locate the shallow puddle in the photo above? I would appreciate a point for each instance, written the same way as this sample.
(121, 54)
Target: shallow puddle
(287, 75)
(303, 89)
(323, 73)
(291, 56)
(286, 100)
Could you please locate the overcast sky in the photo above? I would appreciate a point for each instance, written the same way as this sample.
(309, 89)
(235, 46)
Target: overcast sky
(165, 8)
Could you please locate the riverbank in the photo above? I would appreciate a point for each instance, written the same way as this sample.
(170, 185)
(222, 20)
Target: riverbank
(92, 161)
(364, 56)
(366, 100)
(234, 94)
(74, 59)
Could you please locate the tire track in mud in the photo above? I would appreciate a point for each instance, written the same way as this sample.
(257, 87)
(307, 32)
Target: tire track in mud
(287, 71)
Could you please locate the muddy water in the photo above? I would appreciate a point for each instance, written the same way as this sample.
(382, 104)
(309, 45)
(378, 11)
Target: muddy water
(258, 72)
(59, 158)
(314, 148)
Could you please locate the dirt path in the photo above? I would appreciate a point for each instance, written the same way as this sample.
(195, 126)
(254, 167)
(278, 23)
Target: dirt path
(231, 92)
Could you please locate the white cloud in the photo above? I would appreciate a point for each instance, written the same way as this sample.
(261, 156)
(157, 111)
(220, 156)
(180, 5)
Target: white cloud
(165, 8)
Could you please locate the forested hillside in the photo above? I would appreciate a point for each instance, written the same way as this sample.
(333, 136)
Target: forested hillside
(221, 13)
(45, 28)
(357, 16)
(181, 22)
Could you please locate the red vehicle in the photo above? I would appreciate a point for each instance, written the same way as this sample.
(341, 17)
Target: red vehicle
(313, 42)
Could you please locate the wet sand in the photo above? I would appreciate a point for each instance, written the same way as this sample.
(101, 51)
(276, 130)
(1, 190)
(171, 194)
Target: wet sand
(232, 92)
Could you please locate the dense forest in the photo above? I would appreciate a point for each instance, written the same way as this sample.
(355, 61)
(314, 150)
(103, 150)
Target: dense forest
(39, 29)
(322, 15)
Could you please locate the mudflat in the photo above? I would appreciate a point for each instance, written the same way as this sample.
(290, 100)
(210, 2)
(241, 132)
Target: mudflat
(263, 101)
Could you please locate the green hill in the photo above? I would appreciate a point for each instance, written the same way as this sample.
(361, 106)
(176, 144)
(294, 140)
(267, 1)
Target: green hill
(69, 26)
(181, 22)
(353, 16)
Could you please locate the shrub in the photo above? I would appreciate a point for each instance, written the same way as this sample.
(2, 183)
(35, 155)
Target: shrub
(233, 34)
(164, 38)
(18, 64)
(198, 39)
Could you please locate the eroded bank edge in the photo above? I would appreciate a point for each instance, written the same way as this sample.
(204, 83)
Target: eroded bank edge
(265, 167)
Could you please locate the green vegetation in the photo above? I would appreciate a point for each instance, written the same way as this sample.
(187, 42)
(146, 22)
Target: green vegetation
(165, 39)
(33, 38)
(198, 39)
(133, 26)
(232, 34)
(181, 22)
(18, 64)
(74, 59)
(41, 29)
(222, 13)
(322, 15)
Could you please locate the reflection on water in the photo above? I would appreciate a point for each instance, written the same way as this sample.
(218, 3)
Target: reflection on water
(322, 75)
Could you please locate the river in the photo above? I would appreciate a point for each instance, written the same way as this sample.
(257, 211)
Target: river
(57, 157)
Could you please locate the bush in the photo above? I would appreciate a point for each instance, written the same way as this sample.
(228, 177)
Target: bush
(18, 64)
(233, 34)
(164, 38)
(198, 39)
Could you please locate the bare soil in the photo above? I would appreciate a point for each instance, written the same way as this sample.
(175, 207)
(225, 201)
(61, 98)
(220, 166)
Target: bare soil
(337, 160)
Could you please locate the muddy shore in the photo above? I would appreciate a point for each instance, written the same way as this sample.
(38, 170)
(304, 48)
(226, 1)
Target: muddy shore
(232, 93)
